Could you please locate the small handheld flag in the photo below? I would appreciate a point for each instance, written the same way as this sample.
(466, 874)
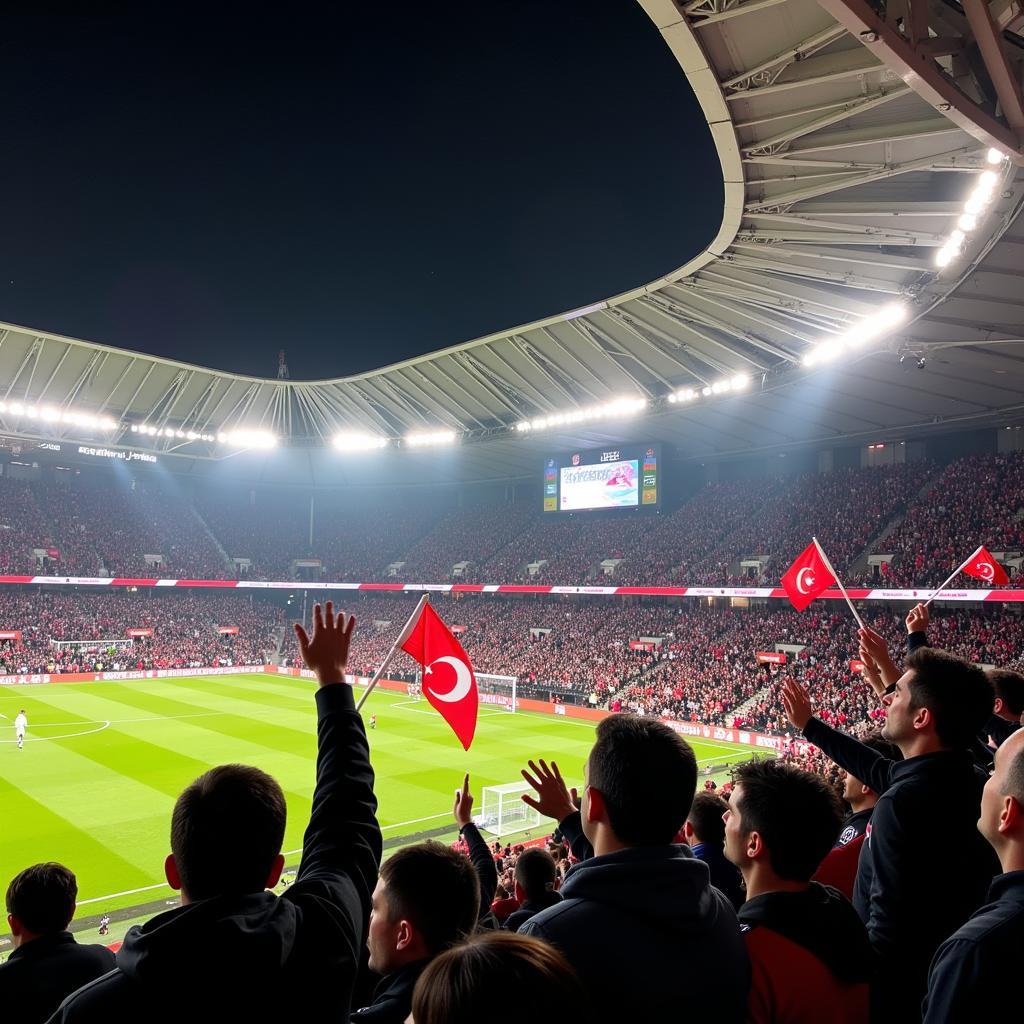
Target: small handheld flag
(981, 565)
(808, 577)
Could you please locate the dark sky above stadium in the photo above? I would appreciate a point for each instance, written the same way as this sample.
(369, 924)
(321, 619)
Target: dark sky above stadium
(356, 186)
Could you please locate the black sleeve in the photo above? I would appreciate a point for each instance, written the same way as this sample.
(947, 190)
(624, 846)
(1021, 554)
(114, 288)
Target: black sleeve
(483, 863)
(341, 849)
(851, 755)
(572, 832)
(954, 989)
(915, 641)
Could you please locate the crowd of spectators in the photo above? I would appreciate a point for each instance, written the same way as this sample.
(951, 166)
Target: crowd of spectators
(976, 500)
(74, 632)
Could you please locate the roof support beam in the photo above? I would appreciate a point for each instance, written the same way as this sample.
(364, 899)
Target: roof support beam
(1004, 76)
(780, 61)
(919, 70)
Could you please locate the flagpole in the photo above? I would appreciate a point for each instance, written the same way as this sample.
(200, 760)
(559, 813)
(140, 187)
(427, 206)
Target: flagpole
(949, 579)
(402, 637)
(839, 582)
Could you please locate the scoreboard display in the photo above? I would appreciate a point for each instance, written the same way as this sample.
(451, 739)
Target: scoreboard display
(625, 476)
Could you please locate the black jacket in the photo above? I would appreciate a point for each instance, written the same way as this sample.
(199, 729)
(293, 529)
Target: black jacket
(821, 920)
(650, 937)
(924, 867)
(39, 974)
(725, 876)
(254, 958)
(392, 999)
(483, 863)
(981, 962)
(531, 908)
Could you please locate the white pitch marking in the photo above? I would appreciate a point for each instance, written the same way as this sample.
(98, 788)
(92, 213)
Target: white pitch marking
(63, 736)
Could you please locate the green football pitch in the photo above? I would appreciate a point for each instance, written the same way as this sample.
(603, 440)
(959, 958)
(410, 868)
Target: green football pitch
(103, 763)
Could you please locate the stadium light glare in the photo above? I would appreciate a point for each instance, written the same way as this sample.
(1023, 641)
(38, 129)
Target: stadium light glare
(981, 195)
(869, 328)
(51, 414)
(425, 439)
(248, 438)
(995, 156)
(615, 409)
(353, 441)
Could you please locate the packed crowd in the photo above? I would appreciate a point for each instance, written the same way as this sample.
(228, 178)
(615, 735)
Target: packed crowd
(75, 632)
(774, 899)
(109, 525)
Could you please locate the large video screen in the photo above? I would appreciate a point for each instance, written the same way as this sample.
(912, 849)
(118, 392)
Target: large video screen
(626, 476)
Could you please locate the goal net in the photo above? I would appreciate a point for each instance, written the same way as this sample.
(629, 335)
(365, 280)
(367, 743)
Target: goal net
(503, 812)
(498, 691)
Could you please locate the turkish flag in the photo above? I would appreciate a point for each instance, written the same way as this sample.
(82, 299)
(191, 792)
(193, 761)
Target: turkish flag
(448, 680)
(807, 577)
(982, 566)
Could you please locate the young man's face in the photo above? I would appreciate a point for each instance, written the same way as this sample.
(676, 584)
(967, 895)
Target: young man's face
(382, 938)
(899, 717)
(735, 834)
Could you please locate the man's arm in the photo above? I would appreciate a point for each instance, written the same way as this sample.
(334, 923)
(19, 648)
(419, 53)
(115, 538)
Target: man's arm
(555, 800)
(954, 988)
(342, 846)
(917, 628)
(852, 756)
(479, 853)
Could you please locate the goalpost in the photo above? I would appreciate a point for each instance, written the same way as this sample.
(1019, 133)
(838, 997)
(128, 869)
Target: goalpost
(498, 691)
(503, 813)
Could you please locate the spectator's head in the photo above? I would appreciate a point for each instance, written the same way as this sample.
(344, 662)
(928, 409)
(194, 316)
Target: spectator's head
(857, 794)
(427, 898)
(226, 834)
(1002, 803)
(780, 824)
(640, 782)
(501, 978)
(941, 702)
(704, 823)
(535, 875)
(1009, 689)
(41, 901)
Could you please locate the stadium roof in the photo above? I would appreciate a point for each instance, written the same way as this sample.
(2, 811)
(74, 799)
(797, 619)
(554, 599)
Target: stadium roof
(847, 149)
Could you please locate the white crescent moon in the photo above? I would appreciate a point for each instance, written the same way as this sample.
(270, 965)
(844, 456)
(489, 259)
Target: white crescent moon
(986, 571)
(800, 576)
(463, 680)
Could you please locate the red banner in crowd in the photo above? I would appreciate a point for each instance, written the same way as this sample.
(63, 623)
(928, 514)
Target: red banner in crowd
(139, 632)
(856, 665)
(458, 630)
(772, 657)
(52, 553)
(231, 630)
(10, 634)
(641, 645)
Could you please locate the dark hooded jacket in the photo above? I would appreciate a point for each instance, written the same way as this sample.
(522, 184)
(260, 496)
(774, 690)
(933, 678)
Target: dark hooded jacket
(255, 957)
(650, 937)
(809, 955)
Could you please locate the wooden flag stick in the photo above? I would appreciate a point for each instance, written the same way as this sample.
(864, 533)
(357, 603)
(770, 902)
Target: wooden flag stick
(949, 579)
(839, 582)
(395, 647)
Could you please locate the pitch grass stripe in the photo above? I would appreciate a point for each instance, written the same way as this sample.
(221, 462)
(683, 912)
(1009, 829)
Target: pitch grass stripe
(218, 687)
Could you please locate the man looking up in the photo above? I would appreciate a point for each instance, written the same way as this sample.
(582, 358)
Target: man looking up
(810, 957)
(975, 968)
(232, 950)
(910, 898)
(640, 891)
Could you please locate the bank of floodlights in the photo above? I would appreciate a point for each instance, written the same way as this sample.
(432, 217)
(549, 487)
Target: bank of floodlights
(981, 197)
(430, 438)
(148, 430)
(868, 329)
(616, 409)
(51, 414)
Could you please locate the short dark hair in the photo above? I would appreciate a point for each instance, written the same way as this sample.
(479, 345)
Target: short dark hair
(43, 897)
(958, 694)
(435, 888)
(1014, 784)
(1009, 687)
(647, 775)
(797, 814)
(706, 818)
(535, 873)
(498, 977)
(226, 829)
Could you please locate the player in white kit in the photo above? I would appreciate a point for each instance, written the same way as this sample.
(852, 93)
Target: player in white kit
(20, 725)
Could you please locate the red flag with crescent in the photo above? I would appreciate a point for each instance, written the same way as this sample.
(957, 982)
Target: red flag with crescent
(982, 566)
(807, 577)
(449, 683)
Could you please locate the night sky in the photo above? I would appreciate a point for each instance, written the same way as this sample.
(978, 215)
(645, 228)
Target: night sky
(355, 188)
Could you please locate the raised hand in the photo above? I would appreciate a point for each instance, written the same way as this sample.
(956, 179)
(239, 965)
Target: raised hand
(554, 799)
(874, 645)
(872, 674)
(326, 652)
(797, 703)
(917, 619)
(463, 809)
